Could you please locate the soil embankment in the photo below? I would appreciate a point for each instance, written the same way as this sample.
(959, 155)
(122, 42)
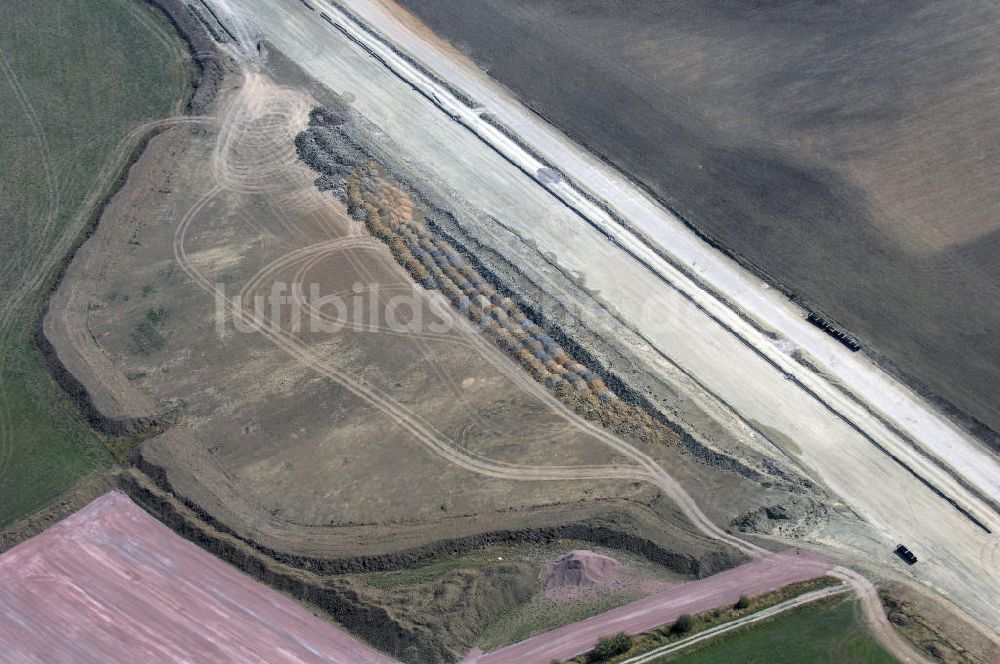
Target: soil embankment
(581, 569)
(438, 632)
(661, 538)
(310, 559)
(212, 64)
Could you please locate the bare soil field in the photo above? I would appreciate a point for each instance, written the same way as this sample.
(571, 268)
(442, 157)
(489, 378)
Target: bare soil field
(429, 604)
(844, 150)
(547, 244)
(281, 439)
(305, 442)
(111, 583)
(316, 450)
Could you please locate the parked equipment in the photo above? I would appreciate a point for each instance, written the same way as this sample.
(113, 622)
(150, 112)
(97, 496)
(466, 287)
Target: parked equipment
(833, 331)
(906, 554)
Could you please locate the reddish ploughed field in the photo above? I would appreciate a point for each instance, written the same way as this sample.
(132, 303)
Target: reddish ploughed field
(112, 584)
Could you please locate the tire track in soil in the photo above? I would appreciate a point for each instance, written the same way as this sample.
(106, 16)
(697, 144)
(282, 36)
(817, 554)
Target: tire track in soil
(644, 468)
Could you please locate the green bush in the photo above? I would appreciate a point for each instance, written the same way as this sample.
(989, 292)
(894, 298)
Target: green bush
(743, 602)
(156, 316)
(683, 624)
(609, 646)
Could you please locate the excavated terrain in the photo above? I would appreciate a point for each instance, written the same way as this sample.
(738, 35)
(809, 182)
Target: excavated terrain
(326, 374)
(308, 443)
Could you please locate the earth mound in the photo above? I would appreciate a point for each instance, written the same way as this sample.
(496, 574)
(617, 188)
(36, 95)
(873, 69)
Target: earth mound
(581, 569)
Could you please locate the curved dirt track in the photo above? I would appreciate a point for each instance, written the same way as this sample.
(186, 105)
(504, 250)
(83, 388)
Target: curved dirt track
(643, 468)
(838, 457)
(412, 423)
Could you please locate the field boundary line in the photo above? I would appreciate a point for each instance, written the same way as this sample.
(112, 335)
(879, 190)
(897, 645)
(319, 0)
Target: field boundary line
(758, 616)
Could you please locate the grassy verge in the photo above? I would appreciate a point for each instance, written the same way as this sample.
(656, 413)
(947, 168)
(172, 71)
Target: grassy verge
(665, 634)
(831, 631)
(538, 614)
(541, 615)
(436, 569)
(76, 77)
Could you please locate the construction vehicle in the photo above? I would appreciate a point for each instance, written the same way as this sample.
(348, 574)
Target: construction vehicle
(906, 554)
(833, 331)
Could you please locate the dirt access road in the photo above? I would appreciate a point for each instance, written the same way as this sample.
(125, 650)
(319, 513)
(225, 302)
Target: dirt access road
(772, 571)
(803, 417)
(763, 575)
(113, 584)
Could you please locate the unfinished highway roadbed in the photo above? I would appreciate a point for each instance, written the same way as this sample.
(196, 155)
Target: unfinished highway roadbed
(771, 382)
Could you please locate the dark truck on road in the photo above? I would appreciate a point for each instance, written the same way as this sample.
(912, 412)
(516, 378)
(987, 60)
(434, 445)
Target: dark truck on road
(906, 554)
(833, 331)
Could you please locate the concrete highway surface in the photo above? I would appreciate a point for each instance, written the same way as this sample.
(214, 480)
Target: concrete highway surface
(754, 578)
(649, 230)
(113, 584)
(664, 247)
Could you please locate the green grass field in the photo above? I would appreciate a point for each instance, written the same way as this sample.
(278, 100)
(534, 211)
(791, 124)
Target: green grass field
(830, 631)
(76, 76)
(541, 614)
(429, 572)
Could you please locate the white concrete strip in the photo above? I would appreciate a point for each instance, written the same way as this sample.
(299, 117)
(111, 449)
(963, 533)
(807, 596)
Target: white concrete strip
(905, 409)
(658, 227)
(957, 559)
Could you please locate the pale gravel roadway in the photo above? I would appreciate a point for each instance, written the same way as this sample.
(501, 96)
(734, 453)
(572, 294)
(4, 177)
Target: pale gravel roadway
(955, 555)
(973, 462)
(669, 235)
(985, 473)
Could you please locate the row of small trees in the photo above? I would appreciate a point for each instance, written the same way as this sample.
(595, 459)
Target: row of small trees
(326, 149)
(433, 261)
(618, 644)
